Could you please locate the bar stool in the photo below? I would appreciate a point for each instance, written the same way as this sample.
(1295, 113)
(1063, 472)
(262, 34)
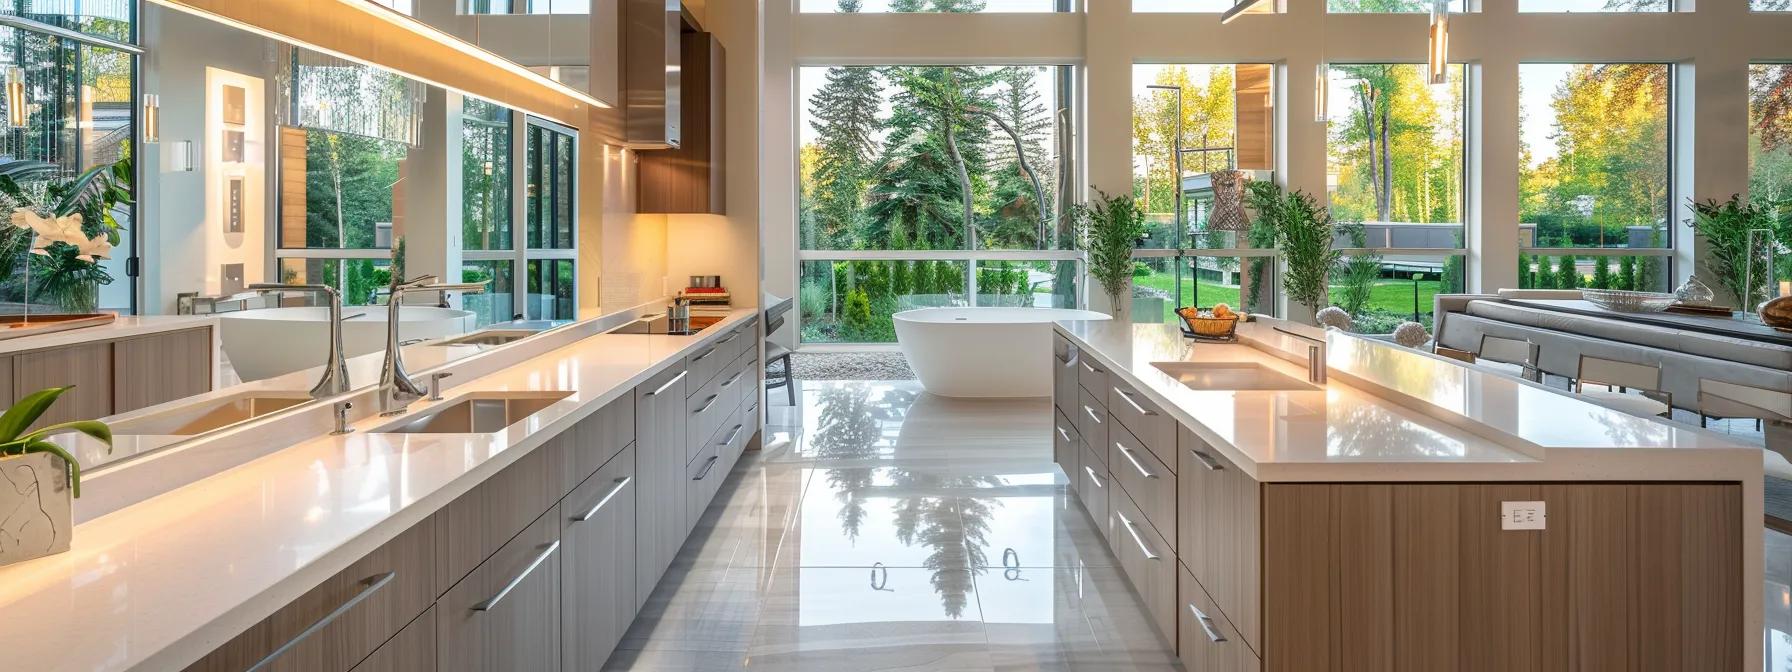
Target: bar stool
(1622, 375)
(776, 354)
(1724, 399)
(1510, 355)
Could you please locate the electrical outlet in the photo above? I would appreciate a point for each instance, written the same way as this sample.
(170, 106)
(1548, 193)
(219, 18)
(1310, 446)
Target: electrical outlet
(1522, 515)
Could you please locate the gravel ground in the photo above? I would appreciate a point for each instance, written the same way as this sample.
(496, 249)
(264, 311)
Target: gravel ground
(851, 366)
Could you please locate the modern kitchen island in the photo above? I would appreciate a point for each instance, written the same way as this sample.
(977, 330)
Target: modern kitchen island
(1409, 513)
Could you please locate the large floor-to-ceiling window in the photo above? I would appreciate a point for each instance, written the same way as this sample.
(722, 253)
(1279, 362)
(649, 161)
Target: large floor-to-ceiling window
(925, 186)
(1770, 158)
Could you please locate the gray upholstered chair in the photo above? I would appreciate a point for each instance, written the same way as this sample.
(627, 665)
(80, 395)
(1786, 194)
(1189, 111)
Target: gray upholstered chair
(1617, 376)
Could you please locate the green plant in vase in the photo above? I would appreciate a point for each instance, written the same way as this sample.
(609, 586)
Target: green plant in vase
(1303, 233)
(1110, 229)
(1725, 227)
(67, 227)
(38, 478)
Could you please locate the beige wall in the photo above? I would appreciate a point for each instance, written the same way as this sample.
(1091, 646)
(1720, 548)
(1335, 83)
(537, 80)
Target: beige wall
(728, 245)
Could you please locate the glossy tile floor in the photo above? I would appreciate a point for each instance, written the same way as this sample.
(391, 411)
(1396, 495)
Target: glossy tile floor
(894, 530)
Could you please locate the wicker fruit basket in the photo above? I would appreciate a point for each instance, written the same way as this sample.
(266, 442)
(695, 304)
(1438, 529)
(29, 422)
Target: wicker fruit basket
(1218, 324)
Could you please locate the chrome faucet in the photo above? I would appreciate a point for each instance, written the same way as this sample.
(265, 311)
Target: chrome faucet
(397, 389)
(335, 378)
(1316, 350)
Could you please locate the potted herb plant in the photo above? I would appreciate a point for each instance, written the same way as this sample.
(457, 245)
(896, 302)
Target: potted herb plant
(1110, 228)
(1303, 233)
(38, 479)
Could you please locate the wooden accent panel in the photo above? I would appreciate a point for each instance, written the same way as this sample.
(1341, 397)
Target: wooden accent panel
(1422, 577)
(337, 26)
(413, 649)
(88, 367)
(1256, 116)
(475, 525)
(688, 179)
(521, 632)
(163, 367)
(292, 189)
(357, 632)
(7, 395)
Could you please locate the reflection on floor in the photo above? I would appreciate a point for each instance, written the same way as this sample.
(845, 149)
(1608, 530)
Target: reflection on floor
(1779, 601)
(896, 531)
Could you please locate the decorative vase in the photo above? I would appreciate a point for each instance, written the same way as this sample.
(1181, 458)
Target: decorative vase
(35, 501)
(1695, 291)
(1777, 313)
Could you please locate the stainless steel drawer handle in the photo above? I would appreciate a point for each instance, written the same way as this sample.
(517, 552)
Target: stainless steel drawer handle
(711, 401)
(1133, 529)
(492, 603)
(1092, 416)
(703, 356)
(1206, 460)
(711, 464)
(735, 379)
(1063, 433)
(369, 586)
(1129, 402)
(1093, 477)
(1207, 624)
(620, 484)
(729, 339)
(670, 383)
(1091, 369)
(732, 435)
(1127, 453)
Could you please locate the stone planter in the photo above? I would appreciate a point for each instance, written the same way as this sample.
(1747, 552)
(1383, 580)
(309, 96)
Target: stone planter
(34, 507)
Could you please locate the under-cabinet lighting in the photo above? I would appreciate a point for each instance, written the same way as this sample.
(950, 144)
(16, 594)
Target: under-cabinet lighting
(17, 108)
(1438, 49)
(1243, 7)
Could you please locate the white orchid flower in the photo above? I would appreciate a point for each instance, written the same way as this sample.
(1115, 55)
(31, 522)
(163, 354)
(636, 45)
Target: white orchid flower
(97, 247)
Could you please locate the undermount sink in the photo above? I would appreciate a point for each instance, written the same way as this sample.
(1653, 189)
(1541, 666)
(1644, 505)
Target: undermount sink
(484, 413)
(206, 416)
(1232, 376)
(488, 337)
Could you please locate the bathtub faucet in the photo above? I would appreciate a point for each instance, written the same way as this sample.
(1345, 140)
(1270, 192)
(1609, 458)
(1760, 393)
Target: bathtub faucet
(335, 378)
(397, 389)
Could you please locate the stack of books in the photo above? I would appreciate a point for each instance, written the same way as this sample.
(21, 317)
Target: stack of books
(708, 302)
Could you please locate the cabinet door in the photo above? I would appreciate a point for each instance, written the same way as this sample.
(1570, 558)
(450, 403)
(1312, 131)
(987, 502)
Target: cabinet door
(1064, 387)
(659, 470)
(150, 370)
(412, 650)
(87, 367)
(473, 527)
(1066, 447)
(506, 614)
(598, 570)
(599, 437)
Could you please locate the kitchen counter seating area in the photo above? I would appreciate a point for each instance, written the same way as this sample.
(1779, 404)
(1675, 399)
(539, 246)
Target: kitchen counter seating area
(1404, 512)
(547, 492)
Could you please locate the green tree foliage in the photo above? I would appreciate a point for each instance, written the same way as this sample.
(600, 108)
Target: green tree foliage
(1567, 275)
(1602, 273)
(844, 115)
(1398, 150)
(1627, 279)
(1609, 171)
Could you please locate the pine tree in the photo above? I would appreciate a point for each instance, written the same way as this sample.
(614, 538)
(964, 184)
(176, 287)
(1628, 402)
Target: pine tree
(935, 146)
(1627, 273)
(1602, 273)
(1021, 194)
(846, 124)
(1567, 276)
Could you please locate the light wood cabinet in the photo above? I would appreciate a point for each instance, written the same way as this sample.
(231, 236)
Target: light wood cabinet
(1093, 488)
(506, 614)
(88, 367)
(1067, 448)
(159, 368)
(1153, 430)
(597, 535)
(1092, 423)
(598, 439)
(688, 179)
(336, 624)
(1219, 525)
(660, 450)
(1147, 560)
(1150, 485)
(413, 649)
(474, 526)
(1206, 640)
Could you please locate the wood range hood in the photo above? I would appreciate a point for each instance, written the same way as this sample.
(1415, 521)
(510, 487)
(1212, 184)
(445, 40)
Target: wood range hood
(674, 86)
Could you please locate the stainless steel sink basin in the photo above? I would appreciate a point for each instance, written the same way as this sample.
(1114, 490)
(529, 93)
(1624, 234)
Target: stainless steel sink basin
(206, 416)
(488, 337)
(484, 413)
(1235, 376)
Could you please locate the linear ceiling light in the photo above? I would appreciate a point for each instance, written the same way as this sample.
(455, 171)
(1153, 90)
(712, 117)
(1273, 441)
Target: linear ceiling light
(1437, 52)
(1247, 7)
(411, 25)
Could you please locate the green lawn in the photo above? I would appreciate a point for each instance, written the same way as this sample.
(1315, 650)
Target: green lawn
(1389, 296)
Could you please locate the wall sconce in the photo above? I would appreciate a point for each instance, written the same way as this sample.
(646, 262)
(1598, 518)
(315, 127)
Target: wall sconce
(1322, 76)
(180, 156)
(152, 118)
(17, 108)
(1438, 49)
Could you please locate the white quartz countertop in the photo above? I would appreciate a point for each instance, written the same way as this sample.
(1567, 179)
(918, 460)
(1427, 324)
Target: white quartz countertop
(157, 584)
(125, 326)
(1395, 414)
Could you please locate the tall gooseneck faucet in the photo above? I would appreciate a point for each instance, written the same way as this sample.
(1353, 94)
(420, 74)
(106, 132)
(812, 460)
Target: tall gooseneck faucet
(334, 380)
(397, 389)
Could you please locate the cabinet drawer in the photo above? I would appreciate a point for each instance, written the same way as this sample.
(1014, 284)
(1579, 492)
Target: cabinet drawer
(701, 476)
(1146, 559)
(1148, 423)
(1092, 376)
(1208, 641)
(1218, 534)
(1066, 446)
(732, 345)
(706, 411)
(748, 387)
(473, 527)
(1064, 387)
(1143, 478)
(412, 650)
(506, 614)
(734, 384)
(1061, 347)
(1092, 424)
(354, 611)
(1092, 487)
(704, 365)
(598, 569)
(599, 438)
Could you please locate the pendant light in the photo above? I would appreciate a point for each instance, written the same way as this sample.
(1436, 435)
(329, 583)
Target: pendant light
(152, 118)
(17, 110)
(1322, 75)
(1437, 54)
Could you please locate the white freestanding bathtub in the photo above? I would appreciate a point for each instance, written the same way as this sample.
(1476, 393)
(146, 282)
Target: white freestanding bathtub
(982, 352)
(268, 342)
